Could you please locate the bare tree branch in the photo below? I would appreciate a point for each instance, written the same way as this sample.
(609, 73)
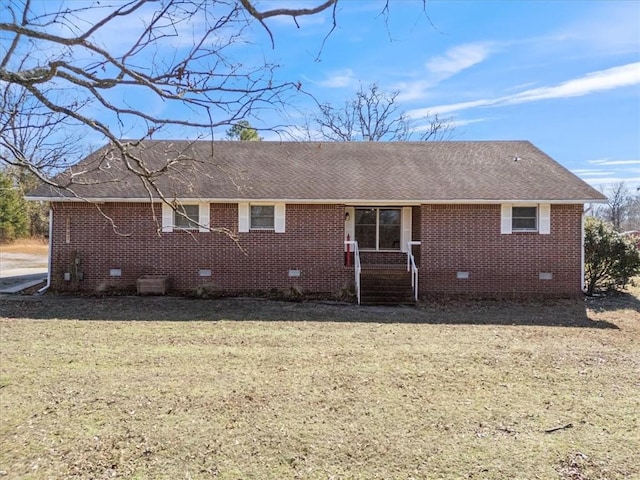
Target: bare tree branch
(374, 115)
(74, 66)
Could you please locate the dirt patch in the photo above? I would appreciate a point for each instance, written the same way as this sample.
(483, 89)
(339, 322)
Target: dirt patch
(33, 246)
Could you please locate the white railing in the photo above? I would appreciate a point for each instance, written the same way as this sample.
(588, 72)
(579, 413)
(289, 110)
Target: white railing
(356, 263)
(411, 267)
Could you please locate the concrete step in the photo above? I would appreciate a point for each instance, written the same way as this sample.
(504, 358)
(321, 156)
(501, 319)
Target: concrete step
(386, 287)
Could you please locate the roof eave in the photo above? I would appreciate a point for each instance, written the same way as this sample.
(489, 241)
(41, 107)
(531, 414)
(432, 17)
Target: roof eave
(341, 201)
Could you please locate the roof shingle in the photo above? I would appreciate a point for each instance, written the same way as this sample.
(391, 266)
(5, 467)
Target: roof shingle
(321, 171)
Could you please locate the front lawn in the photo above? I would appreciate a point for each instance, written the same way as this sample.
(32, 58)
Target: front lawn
(258, 389)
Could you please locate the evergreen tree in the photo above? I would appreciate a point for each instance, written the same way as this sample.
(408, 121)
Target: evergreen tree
(14, 222)
(243, 131)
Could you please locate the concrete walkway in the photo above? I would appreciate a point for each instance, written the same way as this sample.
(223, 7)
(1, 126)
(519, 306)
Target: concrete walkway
(17, 279)
(19, 271)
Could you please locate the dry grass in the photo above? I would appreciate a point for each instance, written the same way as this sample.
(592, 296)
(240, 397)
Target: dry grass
(32, 246)
(449, 391)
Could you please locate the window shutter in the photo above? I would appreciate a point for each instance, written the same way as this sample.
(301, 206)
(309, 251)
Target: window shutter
(279, 217)
(203, 214)
(243, 217)
(544, 220)
(505, 223)
(167, 218)
(405, 235)
(349, 225)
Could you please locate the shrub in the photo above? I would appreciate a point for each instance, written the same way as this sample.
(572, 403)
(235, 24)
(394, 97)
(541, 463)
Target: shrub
(611, 259)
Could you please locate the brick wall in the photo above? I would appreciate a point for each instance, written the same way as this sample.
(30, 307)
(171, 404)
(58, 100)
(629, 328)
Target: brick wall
(260, 260)
(455, 238)
(467, 238)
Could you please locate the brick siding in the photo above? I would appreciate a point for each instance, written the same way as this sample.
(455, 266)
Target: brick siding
(259, 260)
(455, 238)
(467, 238)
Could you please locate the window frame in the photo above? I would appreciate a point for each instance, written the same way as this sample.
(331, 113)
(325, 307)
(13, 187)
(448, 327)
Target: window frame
(244, 217)
(272, 216)
(180, 215)
(536, 218)
(377, 227)
(169, 214)
(543, 218)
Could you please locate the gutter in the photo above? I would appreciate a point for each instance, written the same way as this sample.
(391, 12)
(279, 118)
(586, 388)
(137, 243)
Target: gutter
(582, 285)
(46, 287)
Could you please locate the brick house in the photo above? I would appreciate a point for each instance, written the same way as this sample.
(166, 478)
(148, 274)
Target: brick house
(471, 218)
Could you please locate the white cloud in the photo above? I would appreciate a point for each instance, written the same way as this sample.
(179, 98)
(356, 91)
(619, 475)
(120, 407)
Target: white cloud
(339, 79)
(609, 79)
(616, 77)
(412, 90)
(590, 173)
(606, 161)
(462, 123)
(630, 182)
(444, 109)
(457, 59)
(441, 67)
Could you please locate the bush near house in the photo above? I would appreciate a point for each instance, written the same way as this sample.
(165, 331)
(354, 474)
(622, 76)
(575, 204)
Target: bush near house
(611, 259)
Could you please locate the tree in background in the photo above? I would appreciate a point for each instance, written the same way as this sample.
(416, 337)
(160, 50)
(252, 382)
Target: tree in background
(37, 213)
(374, 115)
(611, 259)
(243, 131)
(622, 210)
(13, 216)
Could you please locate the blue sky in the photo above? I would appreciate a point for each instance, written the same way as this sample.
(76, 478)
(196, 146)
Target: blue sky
(564, 75)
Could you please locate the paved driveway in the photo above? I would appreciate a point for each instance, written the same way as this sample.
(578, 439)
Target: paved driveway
(18, 269)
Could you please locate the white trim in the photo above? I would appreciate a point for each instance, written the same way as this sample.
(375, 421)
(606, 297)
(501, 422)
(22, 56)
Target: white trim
(544, 219)
(582, 256)
(279, 219)
(505, 218)
(332, 201)
(349, 224)
(49, 253)
(167, 218)
(243, 217)
(204, 212)
(405, 228)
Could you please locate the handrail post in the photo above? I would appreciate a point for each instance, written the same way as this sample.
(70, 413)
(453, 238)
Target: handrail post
(357, 267)
(411, 266)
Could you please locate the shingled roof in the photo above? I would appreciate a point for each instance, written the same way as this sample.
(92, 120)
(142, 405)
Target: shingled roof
(383, 172)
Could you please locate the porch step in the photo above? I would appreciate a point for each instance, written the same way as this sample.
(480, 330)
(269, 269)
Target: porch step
(386, 287)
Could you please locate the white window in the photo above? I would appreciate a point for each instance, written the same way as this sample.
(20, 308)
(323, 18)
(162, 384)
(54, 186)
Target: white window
(261, 216)
(526, 218)
(185, 216)
(378, 228)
